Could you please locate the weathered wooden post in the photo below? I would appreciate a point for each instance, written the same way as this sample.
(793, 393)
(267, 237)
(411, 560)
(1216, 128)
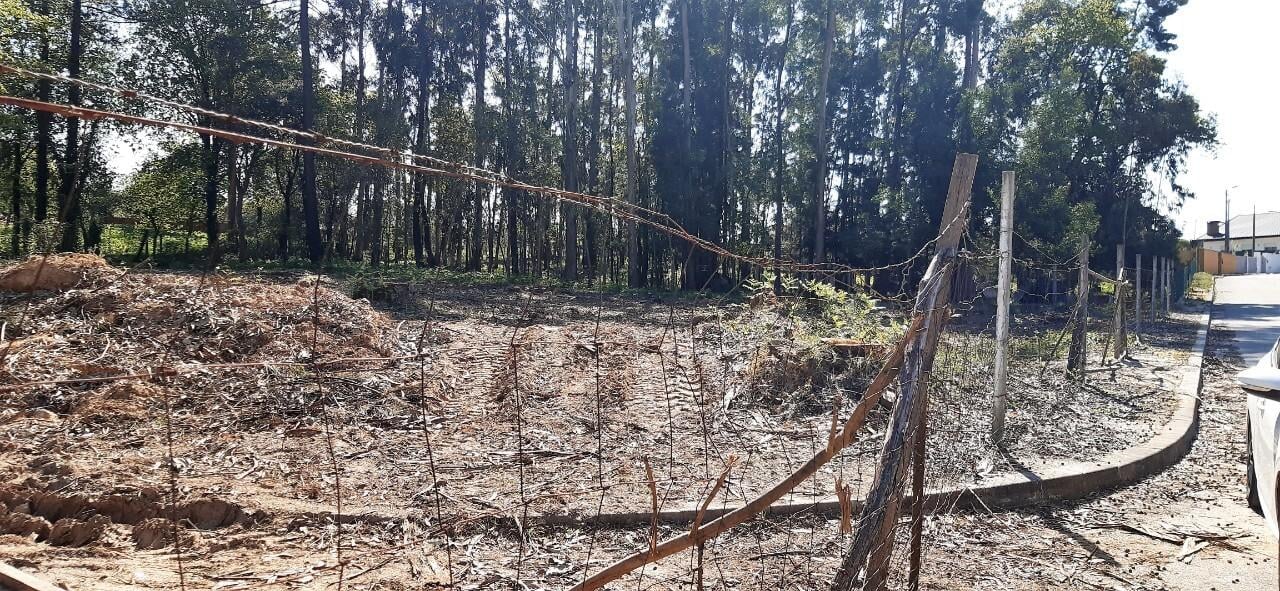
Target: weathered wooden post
(1120, 330)
(1153, 303)
(1137, 296)
(1003, 299)
(1080, 333)
(1157, 305)
(873, 541)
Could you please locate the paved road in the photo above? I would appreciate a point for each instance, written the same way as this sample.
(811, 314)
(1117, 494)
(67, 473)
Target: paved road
(1249, 305)
(1247, 312)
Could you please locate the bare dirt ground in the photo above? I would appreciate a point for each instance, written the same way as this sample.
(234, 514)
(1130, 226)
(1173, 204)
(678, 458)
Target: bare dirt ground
(277, 409)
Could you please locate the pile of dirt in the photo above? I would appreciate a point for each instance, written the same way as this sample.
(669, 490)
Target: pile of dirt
(188, 318)
(57, 272)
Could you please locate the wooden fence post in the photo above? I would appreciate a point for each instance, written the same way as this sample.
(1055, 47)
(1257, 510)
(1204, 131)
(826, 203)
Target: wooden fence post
(1137, 296)
(1155, 288)
(874, 539)
(1157, 307)
(999, 402)
(1076, 359)
(1119, 327)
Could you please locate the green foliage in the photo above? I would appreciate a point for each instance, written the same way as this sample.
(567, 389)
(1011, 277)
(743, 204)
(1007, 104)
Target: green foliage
(17, 22)
(1201, 286)
(1075, 98)
(842, 309)
(166, 191)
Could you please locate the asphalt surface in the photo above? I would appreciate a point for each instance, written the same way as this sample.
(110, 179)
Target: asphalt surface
(1249, 306)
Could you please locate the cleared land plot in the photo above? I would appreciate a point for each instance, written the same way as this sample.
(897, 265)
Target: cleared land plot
(525, 404)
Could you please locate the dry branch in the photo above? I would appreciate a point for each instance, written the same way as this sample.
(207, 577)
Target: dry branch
(762, 502)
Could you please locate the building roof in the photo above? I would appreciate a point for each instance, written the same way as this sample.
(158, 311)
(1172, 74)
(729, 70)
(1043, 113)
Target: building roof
(1268, 224)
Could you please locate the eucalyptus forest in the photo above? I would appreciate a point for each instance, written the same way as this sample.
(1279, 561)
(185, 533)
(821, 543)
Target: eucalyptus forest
(818, 130)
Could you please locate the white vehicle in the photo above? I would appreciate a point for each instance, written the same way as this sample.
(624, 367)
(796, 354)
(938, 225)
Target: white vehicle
(1262, 383)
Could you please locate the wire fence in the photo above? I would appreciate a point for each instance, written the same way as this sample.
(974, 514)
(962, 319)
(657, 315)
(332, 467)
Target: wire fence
(273, 431)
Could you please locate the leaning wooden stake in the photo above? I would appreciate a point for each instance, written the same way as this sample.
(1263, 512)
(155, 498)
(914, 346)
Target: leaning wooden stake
(758, 505)
(916, 332)
(881, 510)
(1005, 287)
(12, 578)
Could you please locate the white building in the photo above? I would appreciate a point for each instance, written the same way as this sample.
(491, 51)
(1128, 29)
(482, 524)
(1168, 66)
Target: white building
(1248, 233)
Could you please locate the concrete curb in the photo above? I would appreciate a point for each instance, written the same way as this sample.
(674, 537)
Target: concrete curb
(1026, 488)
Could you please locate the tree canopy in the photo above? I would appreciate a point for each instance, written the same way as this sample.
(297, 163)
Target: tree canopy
(819, 130)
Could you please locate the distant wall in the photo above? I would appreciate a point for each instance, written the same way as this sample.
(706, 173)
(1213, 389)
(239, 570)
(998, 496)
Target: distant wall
(1218, 263)
(1270, 262)
(1262, 243)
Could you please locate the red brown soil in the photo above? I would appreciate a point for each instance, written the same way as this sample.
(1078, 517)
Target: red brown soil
(56, 272)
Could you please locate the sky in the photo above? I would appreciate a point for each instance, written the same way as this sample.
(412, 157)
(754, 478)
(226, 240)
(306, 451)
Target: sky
(1225, 57)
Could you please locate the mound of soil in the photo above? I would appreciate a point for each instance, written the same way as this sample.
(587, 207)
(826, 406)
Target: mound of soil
(58, 272)
(188, 319)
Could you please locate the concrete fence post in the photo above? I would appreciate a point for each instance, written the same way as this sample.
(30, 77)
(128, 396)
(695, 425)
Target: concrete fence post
(1077, 359)
(1003, 301)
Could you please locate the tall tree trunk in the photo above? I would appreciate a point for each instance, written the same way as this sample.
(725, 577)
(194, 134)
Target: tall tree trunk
(212, 148)
(420, 232)
(570, 75)
(375, 227)
(820, 139)
(68, 196)
(686, 109)
(592, 257)
(15, 201)
(626, 36)
(286, 213)
(481, 65)
(245, 183)
(972, 42)
(779, 161)
(897, 95)
(513, 160)
(44, 129)
(234, 229)
(364, 233)
(728, 212)
(310, 206)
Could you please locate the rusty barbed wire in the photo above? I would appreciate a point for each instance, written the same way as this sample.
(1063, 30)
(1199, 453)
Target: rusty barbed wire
(614, 207)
